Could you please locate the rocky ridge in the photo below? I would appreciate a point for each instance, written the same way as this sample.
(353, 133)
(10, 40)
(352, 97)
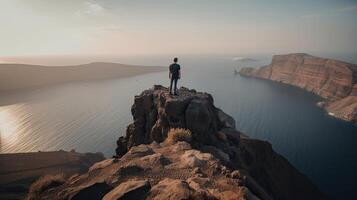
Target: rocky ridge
(218, 163)
(334, 80)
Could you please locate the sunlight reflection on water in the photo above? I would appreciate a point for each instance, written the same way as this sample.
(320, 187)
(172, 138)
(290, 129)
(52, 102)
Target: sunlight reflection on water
(9, 125)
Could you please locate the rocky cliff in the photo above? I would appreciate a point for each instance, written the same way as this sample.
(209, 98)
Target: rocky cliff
(183, 147)
(336, 81)
(155, 112)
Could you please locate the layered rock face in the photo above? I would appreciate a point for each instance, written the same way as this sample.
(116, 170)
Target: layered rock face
(336, 81)
(216, 164)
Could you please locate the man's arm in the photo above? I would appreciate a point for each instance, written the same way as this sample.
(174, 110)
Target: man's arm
(179, 72)
(170, 72)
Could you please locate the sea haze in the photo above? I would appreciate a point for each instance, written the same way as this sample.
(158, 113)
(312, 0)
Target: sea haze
(90, 116)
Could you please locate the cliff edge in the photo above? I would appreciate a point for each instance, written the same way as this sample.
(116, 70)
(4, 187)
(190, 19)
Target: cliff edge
(183, 147)
(334, 80)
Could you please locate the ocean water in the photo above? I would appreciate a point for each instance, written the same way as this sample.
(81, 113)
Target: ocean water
(90, 116)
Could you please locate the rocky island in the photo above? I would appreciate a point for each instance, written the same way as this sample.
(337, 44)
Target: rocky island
(334, 80)
(183, 147)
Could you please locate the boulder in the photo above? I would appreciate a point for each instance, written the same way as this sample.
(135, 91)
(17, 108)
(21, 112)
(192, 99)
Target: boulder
(95, 191)
(170, 189)
(101, 165)
(194, 158)
(129, 190)
(139, 151)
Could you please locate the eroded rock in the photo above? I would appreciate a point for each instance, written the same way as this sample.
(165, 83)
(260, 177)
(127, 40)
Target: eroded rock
(92, 192)
(181, 146)
(101, 165)
(170, 189)
(130, 170)
(139, 151)
(194, 158)
(157, 160)
(155, 112)
(130, 190)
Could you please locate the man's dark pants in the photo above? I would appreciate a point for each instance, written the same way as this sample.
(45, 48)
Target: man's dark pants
(175, 86)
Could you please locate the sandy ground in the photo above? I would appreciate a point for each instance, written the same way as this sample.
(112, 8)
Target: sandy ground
(19, 170)
(18, 76)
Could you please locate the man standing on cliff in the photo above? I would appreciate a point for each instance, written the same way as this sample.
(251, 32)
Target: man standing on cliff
(174, 75)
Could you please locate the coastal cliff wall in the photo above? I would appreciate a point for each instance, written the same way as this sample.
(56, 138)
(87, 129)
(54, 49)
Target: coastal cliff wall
(336, 81)
(209, 159)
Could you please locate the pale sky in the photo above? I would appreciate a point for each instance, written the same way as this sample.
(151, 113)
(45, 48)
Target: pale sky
(97, 27)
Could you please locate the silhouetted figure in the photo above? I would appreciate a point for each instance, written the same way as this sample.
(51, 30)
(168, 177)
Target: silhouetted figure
(174, 75)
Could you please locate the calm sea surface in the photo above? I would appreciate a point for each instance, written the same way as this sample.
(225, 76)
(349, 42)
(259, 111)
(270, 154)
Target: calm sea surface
(90, 116)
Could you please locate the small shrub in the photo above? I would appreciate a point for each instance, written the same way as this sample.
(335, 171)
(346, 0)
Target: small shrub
(44, 183)
(179, 134)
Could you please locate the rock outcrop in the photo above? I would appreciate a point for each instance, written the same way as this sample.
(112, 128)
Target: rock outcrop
(216, 164)
(155, 111)
(336, 81)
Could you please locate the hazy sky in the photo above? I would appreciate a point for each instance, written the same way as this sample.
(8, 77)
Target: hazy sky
(50, 27)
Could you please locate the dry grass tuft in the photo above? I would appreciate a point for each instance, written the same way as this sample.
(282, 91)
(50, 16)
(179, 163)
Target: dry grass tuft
(44, 183)
(178, 134)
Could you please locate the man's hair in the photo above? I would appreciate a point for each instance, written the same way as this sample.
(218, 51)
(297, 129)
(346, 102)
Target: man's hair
(175, 59)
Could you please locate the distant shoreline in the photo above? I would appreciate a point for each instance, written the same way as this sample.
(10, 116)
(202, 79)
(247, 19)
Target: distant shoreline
(26, 76)
(333, 80)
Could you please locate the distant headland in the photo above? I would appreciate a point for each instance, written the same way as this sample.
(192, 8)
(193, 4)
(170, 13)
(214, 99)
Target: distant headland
(334, 80)
(21, 76)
